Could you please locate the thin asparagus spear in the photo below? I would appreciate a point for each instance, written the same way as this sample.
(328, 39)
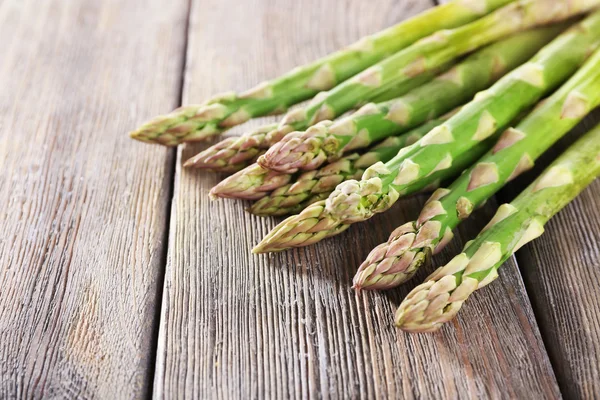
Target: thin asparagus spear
(251, 183)
(443, 293)
(397, 260)
(231, 154)
(235, 153)
(309, 149)
(476, 123)
(196, 122)
(316, 185)
(428, 53)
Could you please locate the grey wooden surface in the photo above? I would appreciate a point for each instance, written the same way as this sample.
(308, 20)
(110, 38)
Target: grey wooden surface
(121, 279)
(83, 210)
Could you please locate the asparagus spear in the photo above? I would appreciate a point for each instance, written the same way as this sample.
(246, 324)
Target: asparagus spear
(235, 153)
(309, 149)
(428, 53)
(316, 185)
(251, 183)
(196, 122)
(231, 154)
(443, 293)
(475, 124)
(396, 261)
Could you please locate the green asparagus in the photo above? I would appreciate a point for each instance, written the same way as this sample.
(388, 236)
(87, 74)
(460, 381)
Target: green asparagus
(437, 49)
(251, 145)
(316, 185)
(231, 154)
(309, 149)
(196, 122)
(251, 183)
(235, 153)
(476, 123)
(396, 261)
(441, 296)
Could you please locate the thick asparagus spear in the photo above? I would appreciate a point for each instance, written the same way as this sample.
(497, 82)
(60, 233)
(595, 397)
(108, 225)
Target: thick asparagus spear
(196, 122)
(316, 185)
(309, 149)
(441, 296)
(428, 53)
(396, 261)
(235, 153)
(476, 123)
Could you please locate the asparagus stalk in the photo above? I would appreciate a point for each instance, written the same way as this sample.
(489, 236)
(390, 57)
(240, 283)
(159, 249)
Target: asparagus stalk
(235, 153)
(443, 293)
(231, 154)
(428, 53)
(475, 124)
(196, 122)
(396, 261)
(309, 149)
(313, 186)
(251, 183)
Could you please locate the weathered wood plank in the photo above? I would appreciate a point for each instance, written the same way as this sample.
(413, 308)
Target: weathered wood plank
(235, 325)
(83, 208)
(561, 272)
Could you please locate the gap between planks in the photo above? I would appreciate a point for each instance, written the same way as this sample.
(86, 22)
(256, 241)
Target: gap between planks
(169, 206)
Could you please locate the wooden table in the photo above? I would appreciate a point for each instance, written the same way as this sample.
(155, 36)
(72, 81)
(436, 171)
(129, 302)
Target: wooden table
(121, 279)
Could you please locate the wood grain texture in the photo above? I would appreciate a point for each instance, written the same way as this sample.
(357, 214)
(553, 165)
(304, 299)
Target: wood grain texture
(234, 325)
(562, 270)
(83, 208)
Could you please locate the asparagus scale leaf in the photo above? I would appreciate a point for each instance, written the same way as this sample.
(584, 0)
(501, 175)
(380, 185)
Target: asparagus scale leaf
(474, 127)
(309, 149)
(396, 261)
(428, 306)
(197, 122)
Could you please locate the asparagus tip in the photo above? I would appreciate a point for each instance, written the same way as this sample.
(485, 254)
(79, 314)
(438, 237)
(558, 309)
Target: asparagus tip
(190, 163)
(260, 248)
(215, 194)
(200, 161)
(137, 135)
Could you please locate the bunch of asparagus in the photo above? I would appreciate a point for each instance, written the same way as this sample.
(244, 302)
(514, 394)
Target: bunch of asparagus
(453, 93)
